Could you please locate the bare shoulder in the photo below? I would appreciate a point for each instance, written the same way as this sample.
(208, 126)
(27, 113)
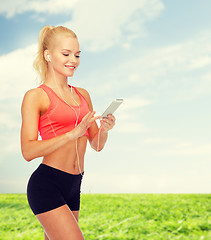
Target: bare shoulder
(84, 92)
(86, 95)
(33, 97)
(33, 93)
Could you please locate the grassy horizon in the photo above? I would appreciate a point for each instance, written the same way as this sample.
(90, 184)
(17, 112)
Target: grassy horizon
(118, 216)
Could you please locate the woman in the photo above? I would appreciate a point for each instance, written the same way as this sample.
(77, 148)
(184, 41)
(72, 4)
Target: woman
(64, 117)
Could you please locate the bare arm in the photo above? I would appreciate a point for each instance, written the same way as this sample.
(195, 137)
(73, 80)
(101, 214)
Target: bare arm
(98, 136)
(30, 145)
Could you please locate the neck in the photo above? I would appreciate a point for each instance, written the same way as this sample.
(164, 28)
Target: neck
(56, 80)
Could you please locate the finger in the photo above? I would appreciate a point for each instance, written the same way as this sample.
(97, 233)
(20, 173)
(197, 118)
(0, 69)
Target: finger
(111, 117)
(105, 124)
(92, 118)
(92, 114)
(95, 118)
(108, 125)
(109, 121)
(87, 115)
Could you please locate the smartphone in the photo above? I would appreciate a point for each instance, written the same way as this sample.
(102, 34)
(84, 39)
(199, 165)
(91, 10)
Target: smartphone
(112, 108)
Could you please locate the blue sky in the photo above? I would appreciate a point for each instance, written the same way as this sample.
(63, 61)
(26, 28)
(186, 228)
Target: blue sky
(155, 54)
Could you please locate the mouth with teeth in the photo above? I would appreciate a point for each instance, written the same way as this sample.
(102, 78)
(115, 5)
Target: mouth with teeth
(70, 67)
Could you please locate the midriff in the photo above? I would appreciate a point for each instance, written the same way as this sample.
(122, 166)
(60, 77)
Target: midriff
(65, 157)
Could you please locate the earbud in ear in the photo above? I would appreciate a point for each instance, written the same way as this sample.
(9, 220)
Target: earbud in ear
(48, 57)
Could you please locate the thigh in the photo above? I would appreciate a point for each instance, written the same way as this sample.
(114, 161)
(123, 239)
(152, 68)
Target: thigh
(46, 237)
(60, 224)
(76, 215)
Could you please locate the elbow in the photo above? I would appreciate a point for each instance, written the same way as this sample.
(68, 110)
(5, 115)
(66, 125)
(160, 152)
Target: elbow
(26, 155)
(99, 149)
(27, 158)
(27, 151)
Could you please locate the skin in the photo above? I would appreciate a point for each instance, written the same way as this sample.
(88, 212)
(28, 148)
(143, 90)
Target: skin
(60, 152)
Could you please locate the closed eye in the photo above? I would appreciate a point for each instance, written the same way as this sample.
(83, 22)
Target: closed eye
(66, 55)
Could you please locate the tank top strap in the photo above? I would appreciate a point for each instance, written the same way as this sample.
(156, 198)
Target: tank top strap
(80, 95)
(48, 91)
(75, 89)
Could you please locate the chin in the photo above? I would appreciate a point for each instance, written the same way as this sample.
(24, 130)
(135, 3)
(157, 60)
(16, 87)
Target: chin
(70, 75)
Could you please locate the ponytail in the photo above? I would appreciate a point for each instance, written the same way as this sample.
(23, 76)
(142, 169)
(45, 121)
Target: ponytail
(46, 39)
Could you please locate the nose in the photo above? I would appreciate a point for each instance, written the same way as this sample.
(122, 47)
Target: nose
(73, 58)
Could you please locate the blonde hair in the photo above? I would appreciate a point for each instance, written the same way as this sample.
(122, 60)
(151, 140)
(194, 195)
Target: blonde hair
(46, 41)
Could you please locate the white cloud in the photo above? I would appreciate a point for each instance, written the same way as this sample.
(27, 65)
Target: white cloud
(177, 147)
(134, 102)
(128, 115)
(180, 71)
(176, 58)
(99, 24)
(10, 8)
(107, 22)
(187, 149)
(145, 183)
(132, 126)
(17, 74)
(7, 122)
(200, 62)
(17, 185)
(157, 140)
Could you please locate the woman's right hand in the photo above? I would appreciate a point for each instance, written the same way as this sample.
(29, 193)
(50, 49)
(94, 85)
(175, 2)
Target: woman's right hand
(86, 122)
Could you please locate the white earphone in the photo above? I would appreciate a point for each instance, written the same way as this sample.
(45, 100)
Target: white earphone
(48, 57)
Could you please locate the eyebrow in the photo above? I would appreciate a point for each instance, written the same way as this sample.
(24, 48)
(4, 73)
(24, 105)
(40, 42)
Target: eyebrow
(70, 50)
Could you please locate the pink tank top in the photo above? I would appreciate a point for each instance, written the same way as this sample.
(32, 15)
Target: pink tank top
(60, 118)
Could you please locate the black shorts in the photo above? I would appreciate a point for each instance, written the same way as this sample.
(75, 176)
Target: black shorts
(49, 188)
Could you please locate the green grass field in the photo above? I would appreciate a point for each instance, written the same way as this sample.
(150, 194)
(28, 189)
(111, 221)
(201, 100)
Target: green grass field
(119, 216)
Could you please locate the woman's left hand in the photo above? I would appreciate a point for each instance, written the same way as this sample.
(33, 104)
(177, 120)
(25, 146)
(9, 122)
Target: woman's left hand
(108, 123)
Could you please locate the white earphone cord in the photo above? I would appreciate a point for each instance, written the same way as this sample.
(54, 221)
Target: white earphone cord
(77, 117)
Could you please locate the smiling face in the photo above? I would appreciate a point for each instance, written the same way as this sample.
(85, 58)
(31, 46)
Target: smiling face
(65, 55)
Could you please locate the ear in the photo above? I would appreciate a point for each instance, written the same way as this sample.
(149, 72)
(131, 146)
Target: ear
(46, 56)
